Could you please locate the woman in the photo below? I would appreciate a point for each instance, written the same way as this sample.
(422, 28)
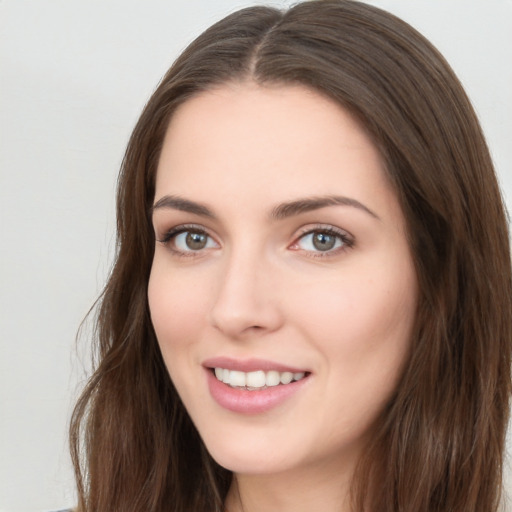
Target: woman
(310, 306)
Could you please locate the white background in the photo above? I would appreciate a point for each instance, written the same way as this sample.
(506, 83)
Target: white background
(74, 75)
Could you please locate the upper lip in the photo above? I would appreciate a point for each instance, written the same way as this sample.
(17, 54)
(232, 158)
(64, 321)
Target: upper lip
(249, 365)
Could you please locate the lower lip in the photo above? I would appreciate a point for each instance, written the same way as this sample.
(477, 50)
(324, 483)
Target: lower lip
(251, 402)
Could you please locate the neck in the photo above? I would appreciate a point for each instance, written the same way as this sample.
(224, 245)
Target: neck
(293, 491)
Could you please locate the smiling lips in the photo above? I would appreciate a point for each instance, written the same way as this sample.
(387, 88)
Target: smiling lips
(252, 387)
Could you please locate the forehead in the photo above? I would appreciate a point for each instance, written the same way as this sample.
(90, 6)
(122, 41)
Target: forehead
(243, 141)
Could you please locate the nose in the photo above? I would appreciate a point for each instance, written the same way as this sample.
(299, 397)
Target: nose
(246, 301)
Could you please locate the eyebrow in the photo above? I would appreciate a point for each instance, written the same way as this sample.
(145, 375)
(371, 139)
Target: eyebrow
(281, 211)
(308, 204)
(184, 205)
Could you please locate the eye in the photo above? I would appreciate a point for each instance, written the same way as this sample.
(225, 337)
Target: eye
(323, 240)
(185, 239)
(192, 241)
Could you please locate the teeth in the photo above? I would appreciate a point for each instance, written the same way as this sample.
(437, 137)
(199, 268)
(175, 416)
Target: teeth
(256, 380)
(273, 379)
(286, 377)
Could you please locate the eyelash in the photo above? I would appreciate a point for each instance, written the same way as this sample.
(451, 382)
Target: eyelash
(178, 230)
(347, 241)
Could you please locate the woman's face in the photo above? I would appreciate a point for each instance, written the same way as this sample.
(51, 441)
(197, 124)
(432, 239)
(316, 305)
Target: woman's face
(282, 290)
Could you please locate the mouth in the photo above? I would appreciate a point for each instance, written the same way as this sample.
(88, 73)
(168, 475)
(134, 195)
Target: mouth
(256, 380)
(253, 386)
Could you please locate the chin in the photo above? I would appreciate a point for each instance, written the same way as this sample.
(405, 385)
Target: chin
(248, 459)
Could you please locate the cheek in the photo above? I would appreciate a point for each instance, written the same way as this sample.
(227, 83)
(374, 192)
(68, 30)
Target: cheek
(362, 326)
(355, 308)
(177, 305)
(363, 335)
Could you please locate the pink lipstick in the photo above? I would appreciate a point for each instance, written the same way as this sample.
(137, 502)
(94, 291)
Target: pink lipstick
(252, 386)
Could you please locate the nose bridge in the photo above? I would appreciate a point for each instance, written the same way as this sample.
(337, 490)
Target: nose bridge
(245, 299)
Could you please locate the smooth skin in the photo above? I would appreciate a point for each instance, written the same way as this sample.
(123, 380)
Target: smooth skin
(262, 266)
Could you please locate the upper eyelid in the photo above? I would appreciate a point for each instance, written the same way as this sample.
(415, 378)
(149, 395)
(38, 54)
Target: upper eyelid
(185, 227)
(323, 227)
(181, 228)
(308, 228)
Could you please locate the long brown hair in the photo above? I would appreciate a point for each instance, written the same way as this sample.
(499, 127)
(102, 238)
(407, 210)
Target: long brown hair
(439, 444)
